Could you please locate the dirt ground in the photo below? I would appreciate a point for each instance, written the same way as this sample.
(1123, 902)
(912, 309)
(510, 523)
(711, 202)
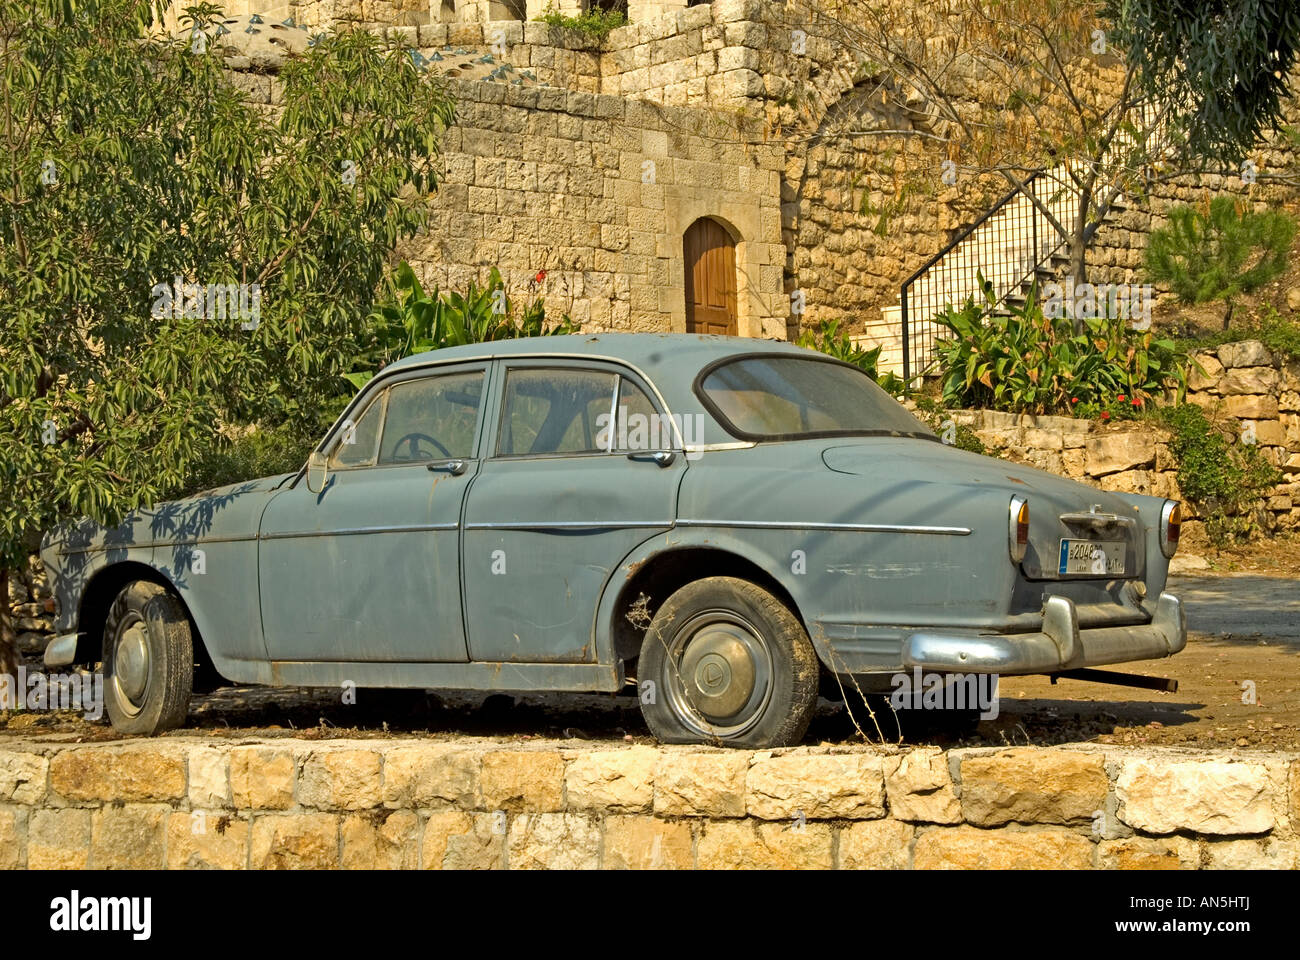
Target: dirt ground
(1244, 623)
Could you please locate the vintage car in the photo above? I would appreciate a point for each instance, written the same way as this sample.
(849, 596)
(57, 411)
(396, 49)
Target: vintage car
(715, 525)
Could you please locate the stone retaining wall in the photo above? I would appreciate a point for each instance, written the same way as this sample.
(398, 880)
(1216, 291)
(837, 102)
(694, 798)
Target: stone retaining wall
(188, 803)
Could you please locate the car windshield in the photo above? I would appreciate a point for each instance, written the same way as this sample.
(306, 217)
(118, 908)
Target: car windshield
(787, 398)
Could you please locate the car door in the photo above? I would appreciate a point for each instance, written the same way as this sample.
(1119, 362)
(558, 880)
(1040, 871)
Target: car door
(369, 568)
(573, 480)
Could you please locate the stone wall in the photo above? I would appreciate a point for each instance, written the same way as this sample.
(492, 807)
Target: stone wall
(185, 804)
(31, 619)
(1247, 389)
(1116, 255)
(598, 191)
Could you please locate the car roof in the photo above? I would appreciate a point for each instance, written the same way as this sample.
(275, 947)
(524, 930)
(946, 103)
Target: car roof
(645, 350)
(670, 360)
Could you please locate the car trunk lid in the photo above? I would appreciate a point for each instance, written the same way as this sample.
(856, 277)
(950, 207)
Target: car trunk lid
(1075, 531)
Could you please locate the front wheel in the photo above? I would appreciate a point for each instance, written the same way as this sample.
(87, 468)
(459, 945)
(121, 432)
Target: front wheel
(148, 660)
(725, 662)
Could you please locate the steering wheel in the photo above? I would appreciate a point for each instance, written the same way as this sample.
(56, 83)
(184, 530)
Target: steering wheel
(412, 441)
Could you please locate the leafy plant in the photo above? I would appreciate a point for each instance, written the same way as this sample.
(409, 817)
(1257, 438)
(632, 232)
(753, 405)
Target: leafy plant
(411, 321)
(828, 339)
(595, 23)
(1026, 362)
(1218, 471)
(1219, 252)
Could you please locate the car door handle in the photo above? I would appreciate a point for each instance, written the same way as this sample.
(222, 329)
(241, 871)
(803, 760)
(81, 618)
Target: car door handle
(661, 457)
(454, 467)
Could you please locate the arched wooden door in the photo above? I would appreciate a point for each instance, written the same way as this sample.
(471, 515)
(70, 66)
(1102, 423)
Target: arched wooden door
(710, 257)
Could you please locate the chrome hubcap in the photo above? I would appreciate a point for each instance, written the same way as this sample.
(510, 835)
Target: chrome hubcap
(131, 663)
(719, 674)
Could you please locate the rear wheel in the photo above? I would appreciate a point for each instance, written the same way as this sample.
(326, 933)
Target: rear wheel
(148, 660)
(725, 662)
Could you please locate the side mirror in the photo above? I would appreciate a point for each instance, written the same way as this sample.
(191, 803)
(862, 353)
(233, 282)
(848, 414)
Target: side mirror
(317, 471)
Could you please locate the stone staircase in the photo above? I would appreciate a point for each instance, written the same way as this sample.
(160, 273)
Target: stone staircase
(1012, 246)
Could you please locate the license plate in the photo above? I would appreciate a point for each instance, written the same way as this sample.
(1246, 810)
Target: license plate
(1093, 557)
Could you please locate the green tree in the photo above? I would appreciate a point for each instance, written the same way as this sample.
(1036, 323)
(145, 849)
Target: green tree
(1220, 252)
(1226, 63)
(131, 162)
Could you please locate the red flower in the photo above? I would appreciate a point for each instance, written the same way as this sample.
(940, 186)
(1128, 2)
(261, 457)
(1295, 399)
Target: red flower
(1121, 398)
(541, 275)
(1137, 401)
(1105, 414)
(1074, 399)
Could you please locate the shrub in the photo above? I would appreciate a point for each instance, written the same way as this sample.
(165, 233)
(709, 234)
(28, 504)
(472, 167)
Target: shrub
(596, 22)
(1218, 471)
(958, 435)
(250, 453)
(1026, 362)
(1218, 253)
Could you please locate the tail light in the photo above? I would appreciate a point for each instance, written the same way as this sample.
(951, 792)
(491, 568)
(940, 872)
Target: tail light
(1171, 522)
(1018, 528)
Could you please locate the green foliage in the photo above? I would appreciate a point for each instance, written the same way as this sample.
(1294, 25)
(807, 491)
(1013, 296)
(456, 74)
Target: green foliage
(958, 435)
(410, 321)
(1280, 334)
(595, 23)
(1027, 362)
(254, 452)
(1219, 253)
(1217, 471)
(828, 339)
(131, 159)
(1225, 66)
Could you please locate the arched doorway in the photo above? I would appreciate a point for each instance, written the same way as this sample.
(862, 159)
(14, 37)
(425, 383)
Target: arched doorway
(710, 258)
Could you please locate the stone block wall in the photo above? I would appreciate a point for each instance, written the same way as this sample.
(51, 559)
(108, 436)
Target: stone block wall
(1117, 252)
(598, 191)
(31, 619)
(183, 803)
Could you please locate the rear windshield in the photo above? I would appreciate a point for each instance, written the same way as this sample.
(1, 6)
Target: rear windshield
(787, 398)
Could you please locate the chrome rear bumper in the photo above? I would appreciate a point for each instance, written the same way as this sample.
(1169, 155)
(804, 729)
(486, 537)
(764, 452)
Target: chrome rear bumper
(1060, 645)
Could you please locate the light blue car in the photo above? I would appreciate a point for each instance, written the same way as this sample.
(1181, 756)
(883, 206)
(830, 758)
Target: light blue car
(718, 525)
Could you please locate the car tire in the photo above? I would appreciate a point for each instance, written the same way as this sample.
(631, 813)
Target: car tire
(148, 660)
(727, 663)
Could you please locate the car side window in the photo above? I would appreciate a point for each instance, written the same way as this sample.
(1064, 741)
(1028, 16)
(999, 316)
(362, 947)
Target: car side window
(554, 411)
(635, 424)
(433, 418)
(358, 438)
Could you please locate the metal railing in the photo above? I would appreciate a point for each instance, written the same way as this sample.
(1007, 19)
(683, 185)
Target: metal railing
(1006, 246)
